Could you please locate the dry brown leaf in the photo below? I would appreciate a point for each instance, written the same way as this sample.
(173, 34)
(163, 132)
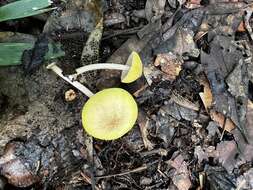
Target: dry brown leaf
(181, 177)
(222, 121)
(193, 4)
(241, 27)
(170, 64)
(207, 99)
(206, 96)
(226, 154)
(182, 101)
(227, 150)
(205, 153)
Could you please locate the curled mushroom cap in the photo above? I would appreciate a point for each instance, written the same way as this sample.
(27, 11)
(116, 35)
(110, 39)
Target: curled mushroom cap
(135, 70)
(109, 114)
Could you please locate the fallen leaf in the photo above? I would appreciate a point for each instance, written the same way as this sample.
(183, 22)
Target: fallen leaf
(181, 177)
(232, 154)
(223, 122)
(154, 9)
(246, 148)
(193, 4)
(225, 67)
(241, 27)
(204, 153)
(165, 127)
(151, 74)
(207, 99)
(227, 151)
(179, 42)
(170, 64)
(200, 154)
(179, 112)
(182, 101)
(212, 129)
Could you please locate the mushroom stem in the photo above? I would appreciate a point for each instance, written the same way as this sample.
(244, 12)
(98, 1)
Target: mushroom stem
(76, 84)
(111, 66)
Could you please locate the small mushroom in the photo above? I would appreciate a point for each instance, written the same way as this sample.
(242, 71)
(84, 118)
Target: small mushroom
(131, 71)
(109, 114)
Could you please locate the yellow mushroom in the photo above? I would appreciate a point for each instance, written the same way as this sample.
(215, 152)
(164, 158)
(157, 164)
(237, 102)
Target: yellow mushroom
(131, 71)
(109, 114)
(135, 68)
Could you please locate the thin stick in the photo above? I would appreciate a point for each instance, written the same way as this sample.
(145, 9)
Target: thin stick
(223, 129)
(139, 169)
(88, 180)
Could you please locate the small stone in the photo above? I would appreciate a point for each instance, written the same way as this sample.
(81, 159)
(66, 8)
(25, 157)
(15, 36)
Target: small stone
(145, 181)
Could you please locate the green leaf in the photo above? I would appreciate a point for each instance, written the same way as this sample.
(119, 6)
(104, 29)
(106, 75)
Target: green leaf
(24, 8)
(11, 53)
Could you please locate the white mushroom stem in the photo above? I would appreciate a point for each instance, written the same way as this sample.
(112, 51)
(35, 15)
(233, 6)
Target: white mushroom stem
(111, 66)
(76, 84)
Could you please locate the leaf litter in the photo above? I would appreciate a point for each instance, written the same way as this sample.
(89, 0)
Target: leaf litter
(194, 129)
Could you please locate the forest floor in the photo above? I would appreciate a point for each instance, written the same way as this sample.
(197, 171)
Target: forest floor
(195, 98)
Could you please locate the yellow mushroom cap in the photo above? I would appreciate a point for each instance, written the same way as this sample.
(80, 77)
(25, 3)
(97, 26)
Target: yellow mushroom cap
(135, 70)
(109, 114)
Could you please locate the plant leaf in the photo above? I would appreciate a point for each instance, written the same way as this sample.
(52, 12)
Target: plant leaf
(24, 8)
(11, 53)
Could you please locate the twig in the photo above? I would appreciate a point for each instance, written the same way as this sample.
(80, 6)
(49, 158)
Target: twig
(159, 170)
(160, 151)
(223, 128)
(88, 180)
(139, 169)
(109, 34)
